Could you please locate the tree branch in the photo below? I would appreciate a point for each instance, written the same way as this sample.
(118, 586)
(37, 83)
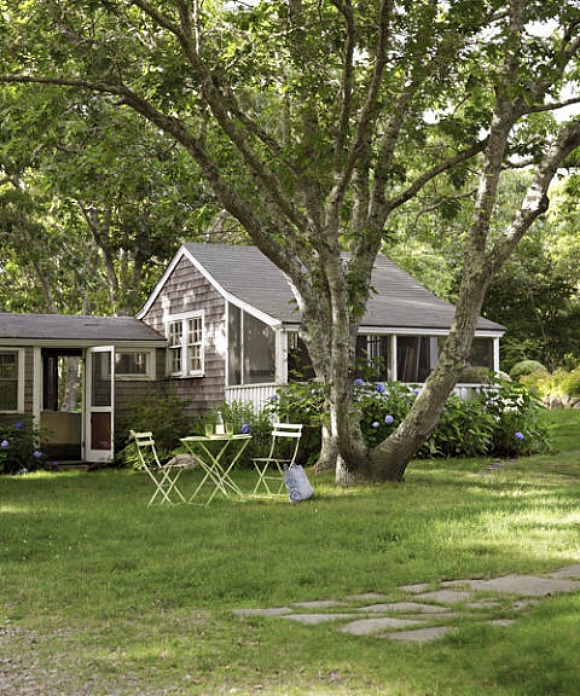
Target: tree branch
(536, 201)
(218, 104)
(432, 173)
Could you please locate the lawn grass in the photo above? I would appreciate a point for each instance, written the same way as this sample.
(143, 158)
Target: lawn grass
(101, 594)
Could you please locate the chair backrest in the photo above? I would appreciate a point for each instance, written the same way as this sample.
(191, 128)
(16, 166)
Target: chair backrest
(284, 431)
(146, 449)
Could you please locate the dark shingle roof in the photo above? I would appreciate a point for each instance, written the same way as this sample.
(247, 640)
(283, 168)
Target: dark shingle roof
(400, 302)
(76, 329)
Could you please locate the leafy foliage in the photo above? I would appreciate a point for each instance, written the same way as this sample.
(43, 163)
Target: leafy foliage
(526, 367)
(19, 452)
(161, 411)
(502, 420)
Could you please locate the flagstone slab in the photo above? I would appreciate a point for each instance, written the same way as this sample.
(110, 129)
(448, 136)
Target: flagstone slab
(367, 627)
(572, 571)
(422, 635)
(528, 585)
(483, 604)
(367, 597)
(272, 611)
(415, 589)
(396, 607)
(446, 596)
(501, 622)
(320, 604)
(312, 619)
(523, 604)
(444, 616)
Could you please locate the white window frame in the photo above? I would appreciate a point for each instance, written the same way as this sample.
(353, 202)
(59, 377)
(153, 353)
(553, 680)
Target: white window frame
(149, 373)
(184, 345)
(20, 378)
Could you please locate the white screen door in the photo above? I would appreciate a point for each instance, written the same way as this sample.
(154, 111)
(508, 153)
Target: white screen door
(100, 404)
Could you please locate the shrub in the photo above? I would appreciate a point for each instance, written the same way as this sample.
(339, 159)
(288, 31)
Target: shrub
(465, 429)
(526, 367)
(503, 420)
(244, 418)
(571, 384)
(302, 402)
(161, 412)
(476, 375)
(19, 452)
(518, 428)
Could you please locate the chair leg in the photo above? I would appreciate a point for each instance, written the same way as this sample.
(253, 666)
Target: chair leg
(264, 477)
(261, 478)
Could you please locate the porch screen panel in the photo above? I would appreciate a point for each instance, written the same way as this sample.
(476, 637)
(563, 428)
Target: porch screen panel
(481, 354)
(372, 357)
(8, 381)
(101, 380)
(416, 357)
(235, 345)
(259, 351)
(101, 397)
(299, 364)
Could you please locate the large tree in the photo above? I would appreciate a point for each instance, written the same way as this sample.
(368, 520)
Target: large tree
(312, 122)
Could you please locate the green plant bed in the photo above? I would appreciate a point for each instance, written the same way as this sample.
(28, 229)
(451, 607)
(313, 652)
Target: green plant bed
(99, 589)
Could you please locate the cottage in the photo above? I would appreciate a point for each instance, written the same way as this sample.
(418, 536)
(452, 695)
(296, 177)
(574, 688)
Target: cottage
(74, 374)
(221, 324)
(232, 324)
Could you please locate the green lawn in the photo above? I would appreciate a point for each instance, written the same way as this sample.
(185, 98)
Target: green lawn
(100, 594)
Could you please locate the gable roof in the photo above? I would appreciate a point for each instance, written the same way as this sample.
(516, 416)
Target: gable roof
(248, 278)
(75, 330)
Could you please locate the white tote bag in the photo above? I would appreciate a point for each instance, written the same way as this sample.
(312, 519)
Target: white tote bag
(297, 484)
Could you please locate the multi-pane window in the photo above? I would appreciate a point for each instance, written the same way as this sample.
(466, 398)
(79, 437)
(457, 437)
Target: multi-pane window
(133, 364)
(175, 330)
(186, 338)
(9, 380)
(195, 344)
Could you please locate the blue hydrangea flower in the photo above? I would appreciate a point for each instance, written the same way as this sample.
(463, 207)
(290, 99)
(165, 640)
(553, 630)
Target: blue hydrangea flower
(380, 387)
(416, 390)
(37, 454)
(358, 382)
(245, 429)
(519, 436)
(375, 424)
(18, 425)
(4, 443)
(389, 420)
(274, 397)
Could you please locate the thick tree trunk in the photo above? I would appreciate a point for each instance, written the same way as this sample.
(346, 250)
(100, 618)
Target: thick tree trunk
(389, 460)
(328, 451)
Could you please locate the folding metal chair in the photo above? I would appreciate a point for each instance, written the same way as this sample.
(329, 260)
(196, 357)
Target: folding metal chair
(281, 456)
(164, 476)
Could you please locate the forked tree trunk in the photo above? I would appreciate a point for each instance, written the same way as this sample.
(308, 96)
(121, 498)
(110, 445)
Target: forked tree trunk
(388, 461)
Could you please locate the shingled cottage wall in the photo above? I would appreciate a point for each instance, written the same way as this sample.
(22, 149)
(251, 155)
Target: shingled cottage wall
(187, 290)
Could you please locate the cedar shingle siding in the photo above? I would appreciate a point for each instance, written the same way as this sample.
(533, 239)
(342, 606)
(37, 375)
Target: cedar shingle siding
(187, 290)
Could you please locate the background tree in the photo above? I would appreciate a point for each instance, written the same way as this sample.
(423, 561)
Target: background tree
(93, 203)
(312, 122)
(535, 295)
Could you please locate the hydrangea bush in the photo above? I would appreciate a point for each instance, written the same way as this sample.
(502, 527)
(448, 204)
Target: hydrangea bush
(501, 420)
(19, 451)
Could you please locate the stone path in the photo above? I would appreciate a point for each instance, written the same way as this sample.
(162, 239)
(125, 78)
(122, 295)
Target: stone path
(429, 611)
